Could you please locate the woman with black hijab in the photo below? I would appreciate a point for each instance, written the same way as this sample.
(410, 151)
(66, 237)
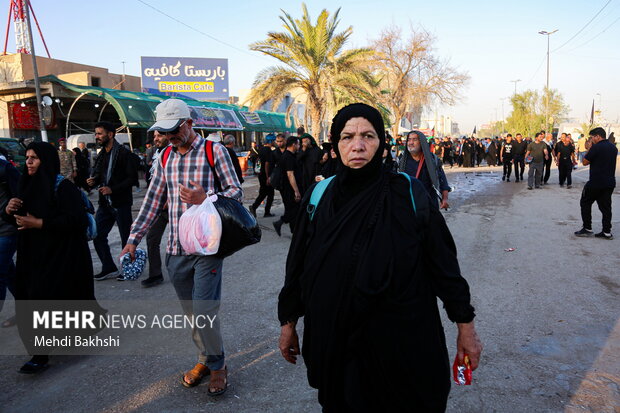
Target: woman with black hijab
(364, 271)
(53, 257)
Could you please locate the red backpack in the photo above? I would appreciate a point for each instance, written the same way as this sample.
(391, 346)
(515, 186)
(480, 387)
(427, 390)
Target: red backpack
(210, 159)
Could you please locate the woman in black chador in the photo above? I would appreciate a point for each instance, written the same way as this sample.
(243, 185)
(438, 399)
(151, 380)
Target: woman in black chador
(364, 271)
(53, 257)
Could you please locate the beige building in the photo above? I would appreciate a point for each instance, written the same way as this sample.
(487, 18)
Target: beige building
(18, 110)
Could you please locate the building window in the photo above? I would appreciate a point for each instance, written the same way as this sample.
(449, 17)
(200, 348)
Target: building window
(95, 81)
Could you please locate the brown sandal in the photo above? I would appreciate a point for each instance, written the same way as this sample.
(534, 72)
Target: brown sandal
(219, 381)
(195, 375)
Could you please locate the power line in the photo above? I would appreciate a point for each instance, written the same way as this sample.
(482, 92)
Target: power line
(197, 30)
(583, 28)
(604, 30)
(536, 72)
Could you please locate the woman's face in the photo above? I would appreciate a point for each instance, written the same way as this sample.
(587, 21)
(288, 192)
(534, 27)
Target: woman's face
(358, 143)
(32, 162)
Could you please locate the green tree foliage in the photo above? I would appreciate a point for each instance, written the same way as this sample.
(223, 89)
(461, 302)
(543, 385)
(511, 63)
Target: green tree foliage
(529, 109)
(315, 67)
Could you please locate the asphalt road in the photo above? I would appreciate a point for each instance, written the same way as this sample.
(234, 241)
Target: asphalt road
(548, 314)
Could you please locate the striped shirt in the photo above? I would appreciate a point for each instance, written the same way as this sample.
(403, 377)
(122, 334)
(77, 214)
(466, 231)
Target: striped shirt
(180, 169)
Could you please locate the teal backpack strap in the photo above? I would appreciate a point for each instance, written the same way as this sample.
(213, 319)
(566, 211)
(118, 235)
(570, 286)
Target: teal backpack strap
(410, 190)
(317, 194)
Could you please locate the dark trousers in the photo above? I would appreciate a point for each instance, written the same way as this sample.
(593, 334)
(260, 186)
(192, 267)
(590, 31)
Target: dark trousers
(547, 168)
(602, 196)
(519, 162)
(565, 168)
(448, 160)
(105, 217)
(153, 241)
(265, 191)
(508, 168)
(8, 245)
(290, 209)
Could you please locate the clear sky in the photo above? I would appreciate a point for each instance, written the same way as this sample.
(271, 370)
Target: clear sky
(494, 41)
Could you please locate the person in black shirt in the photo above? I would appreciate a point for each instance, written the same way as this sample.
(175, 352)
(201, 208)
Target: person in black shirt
(518, 156)
(505, 157)
(448, 151)
(565, 159)
(602, 160)
(548, 140)
(265, 155)
(469, 150)
(229, 143)
(309, 158)
(291, 194)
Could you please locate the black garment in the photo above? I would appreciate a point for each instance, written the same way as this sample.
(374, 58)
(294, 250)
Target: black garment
(365, 274)
(564, 155)
(565, 171)
(448, 154)
(519, 161)
(124, 175)
(355, 300)
(266, 157)
(492, 154)
(105, 218)
(519, 148)
(9, 180)
(330, 167)
(83, 168)
(547, 162)
(153, 242)
(468, 153)
(86, 154)
(288, 162)
(507, 155)
(267, 161)
(309, 161)
(602, 197)
(602, 157)
(235, 161)
(53, 262)
(480, 153)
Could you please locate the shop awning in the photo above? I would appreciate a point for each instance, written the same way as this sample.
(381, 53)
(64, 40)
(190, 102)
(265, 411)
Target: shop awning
(137, 110)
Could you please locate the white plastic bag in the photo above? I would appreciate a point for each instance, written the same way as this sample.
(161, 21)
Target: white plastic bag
(200, 228)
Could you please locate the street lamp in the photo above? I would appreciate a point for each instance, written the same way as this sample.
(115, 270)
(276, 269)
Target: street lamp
(546, 33)
(515, 82)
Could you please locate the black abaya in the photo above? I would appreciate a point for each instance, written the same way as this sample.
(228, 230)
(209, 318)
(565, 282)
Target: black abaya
(53, 262)
(366, 280)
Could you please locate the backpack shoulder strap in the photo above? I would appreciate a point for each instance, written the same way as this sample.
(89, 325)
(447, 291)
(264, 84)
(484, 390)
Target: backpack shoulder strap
(209, 152)
(317, 194)
(165, 156)
(410, 191)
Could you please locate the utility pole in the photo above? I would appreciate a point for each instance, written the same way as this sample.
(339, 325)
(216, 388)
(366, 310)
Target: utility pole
(37, 86)
(515, 82)
(548, 34)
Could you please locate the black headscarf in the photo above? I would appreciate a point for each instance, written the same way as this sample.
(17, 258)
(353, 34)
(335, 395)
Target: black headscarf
(37, 191)
(352, 181)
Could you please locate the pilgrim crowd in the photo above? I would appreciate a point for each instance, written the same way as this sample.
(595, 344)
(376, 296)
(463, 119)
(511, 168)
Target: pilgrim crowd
(369, 255)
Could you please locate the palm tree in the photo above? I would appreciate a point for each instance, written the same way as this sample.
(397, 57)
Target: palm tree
(313, 67)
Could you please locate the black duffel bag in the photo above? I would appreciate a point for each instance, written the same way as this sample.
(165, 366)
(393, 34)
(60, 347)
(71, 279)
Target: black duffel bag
(239, 227)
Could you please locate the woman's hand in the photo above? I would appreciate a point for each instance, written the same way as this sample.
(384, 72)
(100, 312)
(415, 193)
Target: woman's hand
(13, 206)
(28, 221)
